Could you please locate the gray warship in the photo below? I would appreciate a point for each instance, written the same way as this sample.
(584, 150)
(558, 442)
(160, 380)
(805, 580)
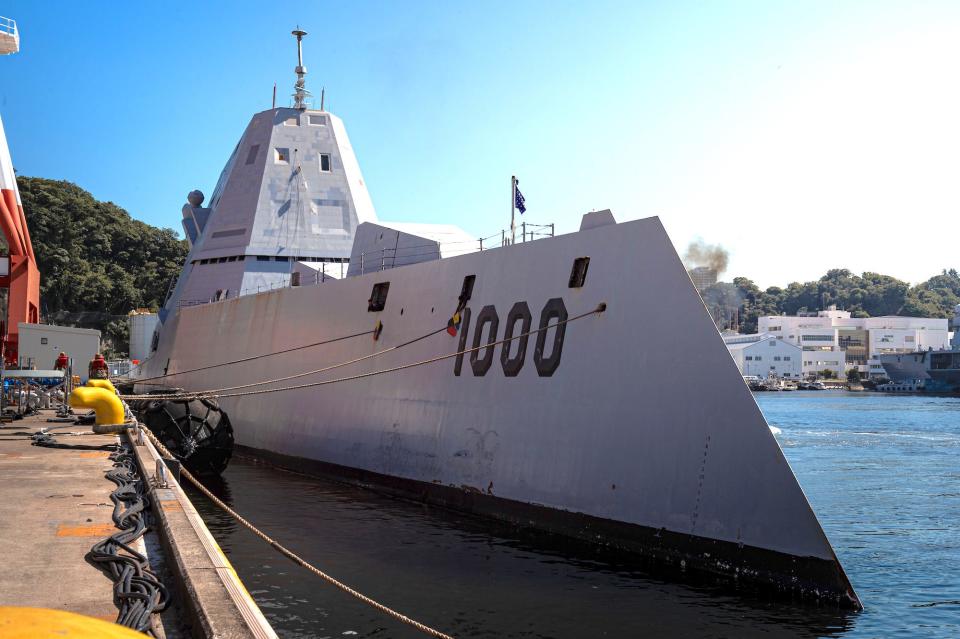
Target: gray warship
(546, 383)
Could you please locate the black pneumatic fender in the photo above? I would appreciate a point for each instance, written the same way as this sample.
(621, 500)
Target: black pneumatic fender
(197, 431)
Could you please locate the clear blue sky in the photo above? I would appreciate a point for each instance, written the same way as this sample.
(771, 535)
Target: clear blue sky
(801, 136)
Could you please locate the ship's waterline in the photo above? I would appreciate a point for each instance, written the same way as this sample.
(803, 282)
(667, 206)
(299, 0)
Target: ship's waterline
(611, 437)
(583, 423)
(891, 524)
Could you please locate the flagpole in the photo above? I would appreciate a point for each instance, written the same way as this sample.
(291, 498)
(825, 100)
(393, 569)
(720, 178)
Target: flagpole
(513, 206)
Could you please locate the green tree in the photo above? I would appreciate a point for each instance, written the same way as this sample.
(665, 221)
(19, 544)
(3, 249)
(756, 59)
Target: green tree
(865, 295)
(936, 297)
(93, 256)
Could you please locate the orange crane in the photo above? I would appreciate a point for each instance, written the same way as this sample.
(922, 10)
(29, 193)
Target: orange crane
(18, 271)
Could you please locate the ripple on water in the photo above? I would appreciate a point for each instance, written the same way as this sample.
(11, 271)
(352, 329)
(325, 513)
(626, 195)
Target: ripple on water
(880, 471)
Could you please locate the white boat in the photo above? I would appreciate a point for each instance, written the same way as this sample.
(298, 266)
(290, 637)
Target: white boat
(583, 424)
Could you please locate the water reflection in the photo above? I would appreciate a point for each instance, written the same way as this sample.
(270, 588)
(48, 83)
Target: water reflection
(220, 523)
(880, 471)
(466, 576)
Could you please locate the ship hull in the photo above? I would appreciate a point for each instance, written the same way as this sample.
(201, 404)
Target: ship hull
(906, 367)
(690, 557)
(589, 431)
(936, 371)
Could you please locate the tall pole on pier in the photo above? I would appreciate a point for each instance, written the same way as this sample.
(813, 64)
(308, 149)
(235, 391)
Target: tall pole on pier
(513, 207)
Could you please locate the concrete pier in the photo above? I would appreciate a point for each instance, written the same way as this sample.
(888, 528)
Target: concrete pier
(55, 504)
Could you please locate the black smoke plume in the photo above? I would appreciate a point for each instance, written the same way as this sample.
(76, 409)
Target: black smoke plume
(712, 256)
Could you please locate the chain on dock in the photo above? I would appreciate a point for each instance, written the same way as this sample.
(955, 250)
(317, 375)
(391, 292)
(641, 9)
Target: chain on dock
(219, 393)
(292, 555)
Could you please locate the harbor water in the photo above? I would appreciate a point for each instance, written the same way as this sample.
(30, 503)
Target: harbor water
(881, 471)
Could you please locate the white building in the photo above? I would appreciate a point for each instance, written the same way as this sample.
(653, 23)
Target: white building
(955, 337)
(763, 354)
(40, 344)
(833, 338)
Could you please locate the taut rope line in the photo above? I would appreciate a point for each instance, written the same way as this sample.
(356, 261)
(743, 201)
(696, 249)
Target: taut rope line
(251, 358)
(289, 553)
(207, 393)
(216, 395)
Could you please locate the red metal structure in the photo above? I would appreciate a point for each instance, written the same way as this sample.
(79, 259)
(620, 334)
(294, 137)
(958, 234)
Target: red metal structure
(22, 279)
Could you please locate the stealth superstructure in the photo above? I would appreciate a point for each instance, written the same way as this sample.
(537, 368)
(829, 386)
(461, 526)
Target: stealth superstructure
(574, 384)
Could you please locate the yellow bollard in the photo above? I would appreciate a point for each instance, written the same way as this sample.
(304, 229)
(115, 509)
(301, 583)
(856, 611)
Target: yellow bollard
(102, 383)
(105, 404)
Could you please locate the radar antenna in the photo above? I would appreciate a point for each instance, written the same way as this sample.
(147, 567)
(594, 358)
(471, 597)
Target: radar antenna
(300, 91)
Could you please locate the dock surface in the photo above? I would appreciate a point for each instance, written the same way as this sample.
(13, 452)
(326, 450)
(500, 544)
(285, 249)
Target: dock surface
(54, 505)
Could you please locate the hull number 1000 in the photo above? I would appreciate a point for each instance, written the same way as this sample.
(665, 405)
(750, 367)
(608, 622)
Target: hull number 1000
(513, 354)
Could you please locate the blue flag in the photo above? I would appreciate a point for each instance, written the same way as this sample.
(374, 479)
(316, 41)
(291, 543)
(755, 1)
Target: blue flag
(518, 199)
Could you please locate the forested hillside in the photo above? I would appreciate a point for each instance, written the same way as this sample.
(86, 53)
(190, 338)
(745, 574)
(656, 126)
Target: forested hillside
(96, 262)
(868, 295)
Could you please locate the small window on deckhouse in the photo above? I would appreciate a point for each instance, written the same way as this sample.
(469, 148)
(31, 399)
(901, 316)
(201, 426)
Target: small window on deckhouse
(578, 274)
(378, 297)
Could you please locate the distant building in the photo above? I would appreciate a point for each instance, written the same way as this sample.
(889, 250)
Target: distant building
(703, 276)
(763, 354)
(833, 338)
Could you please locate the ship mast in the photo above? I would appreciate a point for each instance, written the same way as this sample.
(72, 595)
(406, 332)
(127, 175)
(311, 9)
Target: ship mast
(300, 91)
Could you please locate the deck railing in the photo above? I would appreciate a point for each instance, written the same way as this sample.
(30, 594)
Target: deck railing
(8, 26)
(9, 37)
(388, 258)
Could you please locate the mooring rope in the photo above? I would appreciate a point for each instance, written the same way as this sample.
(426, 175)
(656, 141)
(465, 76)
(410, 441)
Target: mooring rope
(218, 395)
(289, 553)
(249, 359)
(137, 590)
(213, 392)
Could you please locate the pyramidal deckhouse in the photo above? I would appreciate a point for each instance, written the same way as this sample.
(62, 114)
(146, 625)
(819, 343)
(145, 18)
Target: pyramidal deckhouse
(546, 383)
